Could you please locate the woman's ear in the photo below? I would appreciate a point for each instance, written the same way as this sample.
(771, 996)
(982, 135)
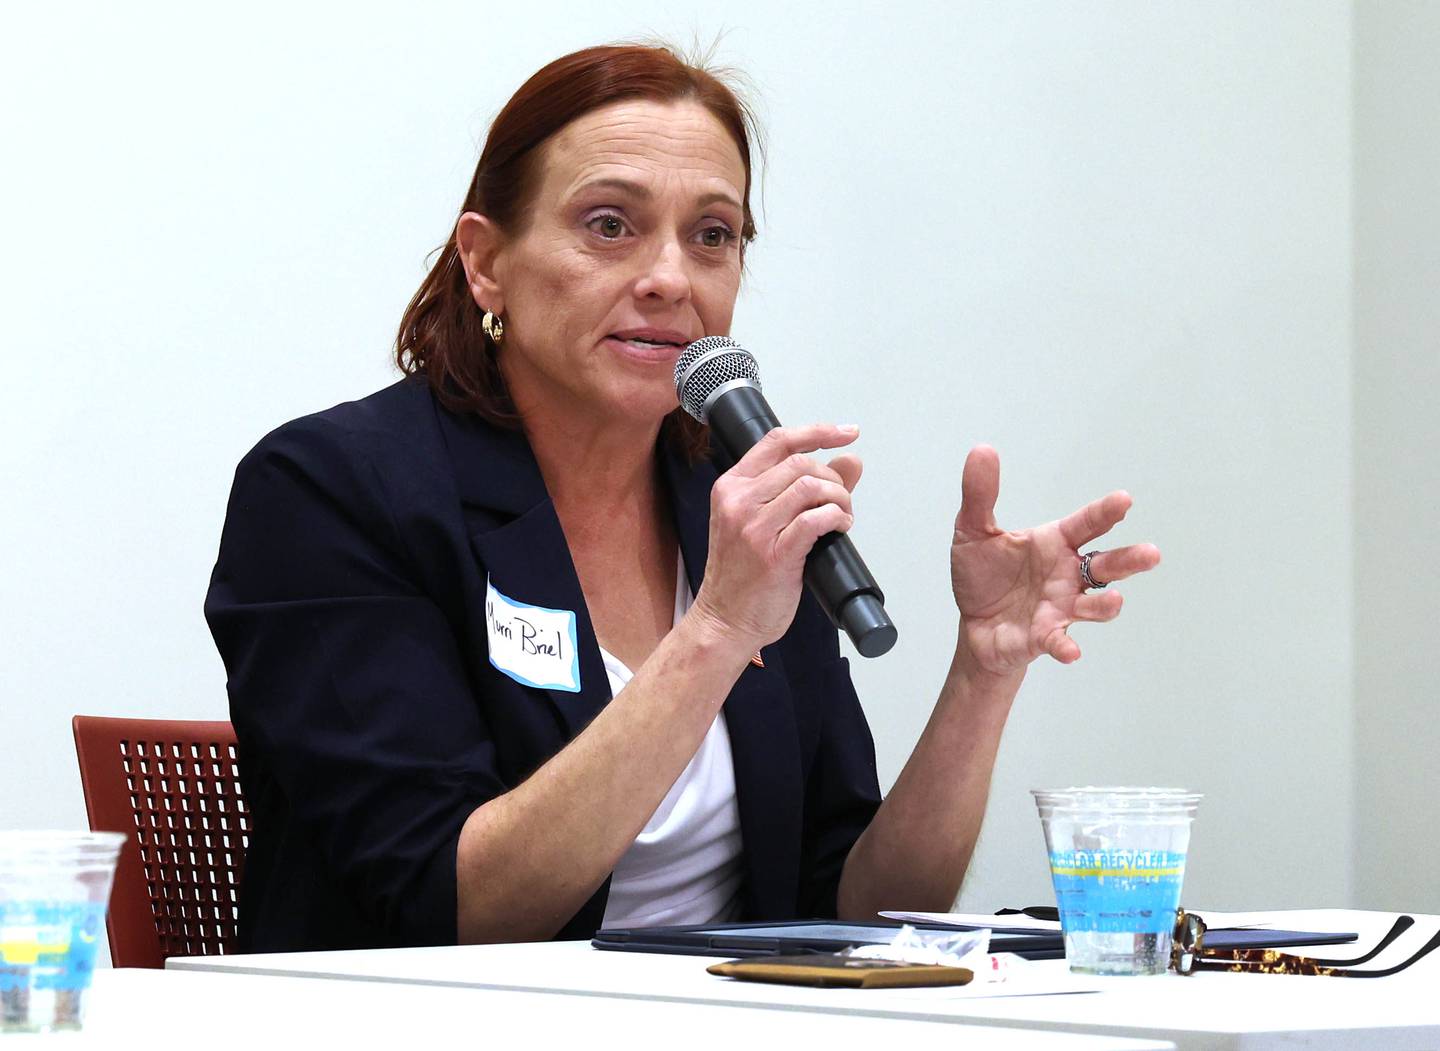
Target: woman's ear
(478, 239)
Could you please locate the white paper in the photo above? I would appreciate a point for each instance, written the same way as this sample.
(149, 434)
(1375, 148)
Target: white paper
(1231, 920)
(1047, 978)
(1018, 923)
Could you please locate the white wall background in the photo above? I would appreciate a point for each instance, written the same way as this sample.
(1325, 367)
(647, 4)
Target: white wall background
(1112, 239)
(1397, 450)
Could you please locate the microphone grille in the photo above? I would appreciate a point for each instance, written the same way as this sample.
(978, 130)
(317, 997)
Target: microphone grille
(708, 364)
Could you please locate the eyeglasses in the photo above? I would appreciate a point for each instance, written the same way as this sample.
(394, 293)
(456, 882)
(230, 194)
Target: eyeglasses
(1188, 954)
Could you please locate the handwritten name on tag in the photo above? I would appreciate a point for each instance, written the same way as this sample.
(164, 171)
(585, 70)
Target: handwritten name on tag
(533, 645)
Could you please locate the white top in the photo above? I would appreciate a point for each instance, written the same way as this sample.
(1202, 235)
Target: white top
(685, 866)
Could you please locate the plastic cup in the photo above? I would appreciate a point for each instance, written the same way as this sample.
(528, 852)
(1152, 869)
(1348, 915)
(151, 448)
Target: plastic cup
(54, 887)
(1117, 859)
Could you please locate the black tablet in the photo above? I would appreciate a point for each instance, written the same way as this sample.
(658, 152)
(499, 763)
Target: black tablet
(795, 937)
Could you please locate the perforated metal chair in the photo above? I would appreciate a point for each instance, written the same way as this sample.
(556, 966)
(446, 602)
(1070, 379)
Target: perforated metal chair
(174, 787)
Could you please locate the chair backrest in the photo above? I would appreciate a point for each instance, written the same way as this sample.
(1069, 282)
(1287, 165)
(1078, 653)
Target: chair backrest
(173, 786)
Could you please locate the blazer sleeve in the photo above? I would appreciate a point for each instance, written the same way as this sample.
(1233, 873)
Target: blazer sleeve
(842, 791)
(346, 680)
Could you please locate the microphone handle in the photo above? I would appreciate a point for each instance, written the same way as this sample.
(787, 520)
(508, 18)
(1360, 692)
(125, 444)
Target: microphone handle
(834, 571)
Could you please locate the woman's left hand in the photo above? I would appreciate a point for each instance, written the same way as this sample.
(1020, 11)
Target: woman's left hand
(1019, 591)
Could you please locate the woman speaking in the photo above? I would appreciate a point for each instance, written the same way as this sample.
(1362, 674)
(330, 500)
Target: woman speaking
(509, 659)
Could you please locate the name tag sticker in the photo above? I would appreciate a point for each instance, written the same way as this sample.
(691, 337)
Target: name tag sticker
(533, 645)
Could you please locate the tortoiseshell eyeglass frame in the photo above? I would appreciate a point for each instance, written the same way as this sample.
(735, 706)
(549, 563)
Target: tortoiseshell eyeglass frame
(1188, 954)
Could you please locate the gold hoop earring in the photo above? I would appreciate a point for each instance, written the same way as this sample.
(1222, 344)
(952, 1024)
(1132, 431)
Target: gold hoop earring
(494, 327)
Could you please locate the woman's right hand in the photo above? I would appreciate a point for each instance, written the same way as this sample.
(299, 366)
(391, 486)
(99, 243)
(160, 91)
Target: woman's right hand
(766, 513)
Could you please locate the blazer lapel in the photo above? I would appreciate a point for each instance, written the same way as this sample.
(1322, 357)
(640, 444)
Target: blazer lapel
(528, 560)
(517, 537)
(760, 716)
(689, 486)
(768, 788)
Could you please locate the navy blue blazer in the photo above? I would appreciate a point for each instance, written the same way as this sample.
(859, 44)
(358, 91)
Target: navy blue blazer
(348, 604)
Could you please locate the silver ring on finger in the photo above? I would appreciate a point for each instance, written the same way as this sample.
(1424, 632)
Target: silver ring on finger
(1086, 579)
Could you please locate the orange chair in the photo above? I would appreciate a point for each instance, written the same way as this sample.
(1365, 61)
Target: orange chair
(173, 786)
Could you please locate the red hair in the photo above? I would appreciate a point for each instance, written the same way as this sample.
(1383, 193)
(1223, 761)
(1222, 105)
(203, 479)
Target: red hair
(440, 334)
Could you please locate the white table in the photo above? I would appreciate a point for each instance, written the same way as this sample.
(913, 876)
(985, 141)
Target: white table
(179, 1008)
(1245, 1012)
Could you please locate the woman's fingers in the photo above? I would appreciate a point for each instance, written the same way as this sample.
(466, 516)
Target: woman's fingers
(778, 497)
(1098, 606)
(849, 468)
(767, 511)
(1062, 647)
(1108, 566)
(786, 441)
(979, 489)
(805, 492)
(770, 484)
(797, 538)
(1096, 518)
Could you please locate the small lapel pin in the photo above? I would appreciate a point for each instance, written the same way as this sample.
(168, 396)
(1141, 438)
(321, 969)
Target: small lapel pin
(755, 660)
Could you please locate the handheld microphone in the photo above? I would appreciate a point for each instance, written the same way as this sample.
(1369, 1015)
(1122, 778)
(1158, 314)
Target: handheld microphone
(719, 384)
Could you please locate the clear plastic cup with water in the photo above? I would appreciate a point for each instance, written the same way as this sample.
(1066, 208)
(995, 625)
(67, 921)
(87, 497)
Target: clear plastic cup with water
(54, 889)
(1117, 859)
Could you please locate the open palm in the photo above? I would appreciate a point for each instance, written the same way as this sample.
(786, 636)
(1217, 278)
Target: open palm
(1019, 591)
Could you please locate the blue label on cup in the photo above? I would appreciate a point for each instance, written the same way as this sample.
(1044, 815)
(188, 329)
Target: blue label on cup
(1131, 891)
(49, 944)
